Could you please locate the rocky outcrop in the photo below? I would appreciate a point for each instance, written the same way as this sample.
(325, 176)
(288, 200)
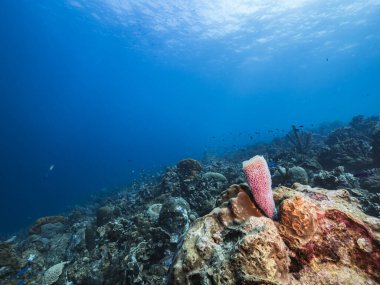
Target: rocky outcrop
(322, 237)
(348, 147)
(335, 179)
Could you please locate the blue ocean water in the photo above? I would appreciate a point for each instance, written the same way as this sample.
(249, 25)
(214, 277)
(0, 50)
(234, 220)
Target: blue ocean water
(93, 93)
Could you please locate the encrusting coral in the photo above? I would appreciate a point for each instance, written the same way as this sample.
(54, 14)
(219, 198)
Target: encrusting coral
(298, 220)
(52, 274)
(321, 238)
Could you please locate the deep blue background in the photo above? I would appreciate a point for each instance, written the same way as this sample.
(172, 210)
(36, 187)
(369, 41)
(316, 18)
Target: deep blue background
(73, 94)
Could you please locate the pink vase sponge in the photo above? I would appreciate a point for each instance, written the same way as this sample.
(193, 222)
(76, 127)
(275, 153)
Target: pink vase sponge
(259, 180)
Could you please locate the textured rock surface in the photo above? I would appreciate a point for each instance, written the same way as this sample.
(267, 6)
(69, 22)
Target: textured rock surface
(188, 168)
(36, 228)
(335, 179)
(346, 146)
(289, 176)
(376, 146)
(53, 273)
(174, 217)
(321, 238)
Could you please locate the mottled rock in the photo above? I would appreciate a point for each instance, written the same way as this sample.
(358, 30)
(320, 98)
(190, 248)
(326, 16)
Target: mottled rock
(52, 274)
(174, 217)
(215, 177)
(376, 146)
(289, 176)
(370, 180)
(51, 230)
(153, 212)
(297, 174)
(8, 256)
(90, 237)
(335, 179)
(321, 238)
(36, 228)
(348, 147)
(188, 168)
(103, 215)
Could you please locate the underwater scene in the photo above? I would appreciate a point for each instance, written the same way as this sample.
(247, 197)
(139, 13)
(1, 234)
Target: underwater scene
(189, 142)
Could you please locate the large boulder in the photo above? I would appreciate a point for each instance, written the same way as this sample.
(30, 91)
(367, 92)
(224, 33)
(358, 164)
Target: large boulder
(322, 237)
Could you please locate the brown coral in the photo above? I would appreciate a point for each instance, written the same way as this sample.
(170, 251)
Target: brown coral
(261, 254)
(188, 168)
(298, 221)
(239, 205)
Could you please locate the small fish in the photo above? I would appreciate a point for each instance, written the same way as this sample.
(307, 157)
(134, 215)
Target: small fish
(51, 168)
(272, 164)
(300, 126)
(21, 272)
(166, 261)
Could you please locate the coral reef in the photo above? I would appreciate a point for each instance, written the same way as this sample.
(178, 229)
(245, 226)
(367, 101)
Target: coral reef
(133, 235)
(321, 238)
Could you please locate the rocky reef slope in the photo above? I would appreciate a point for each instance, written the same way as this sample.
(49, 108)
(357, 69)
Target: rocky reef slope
(139, 235)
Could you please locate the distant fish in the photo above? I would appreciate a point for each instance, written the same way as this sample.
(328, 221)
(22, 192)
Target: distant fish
(272, 164)
(300, 126)
(51, 168)
(22, 271)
